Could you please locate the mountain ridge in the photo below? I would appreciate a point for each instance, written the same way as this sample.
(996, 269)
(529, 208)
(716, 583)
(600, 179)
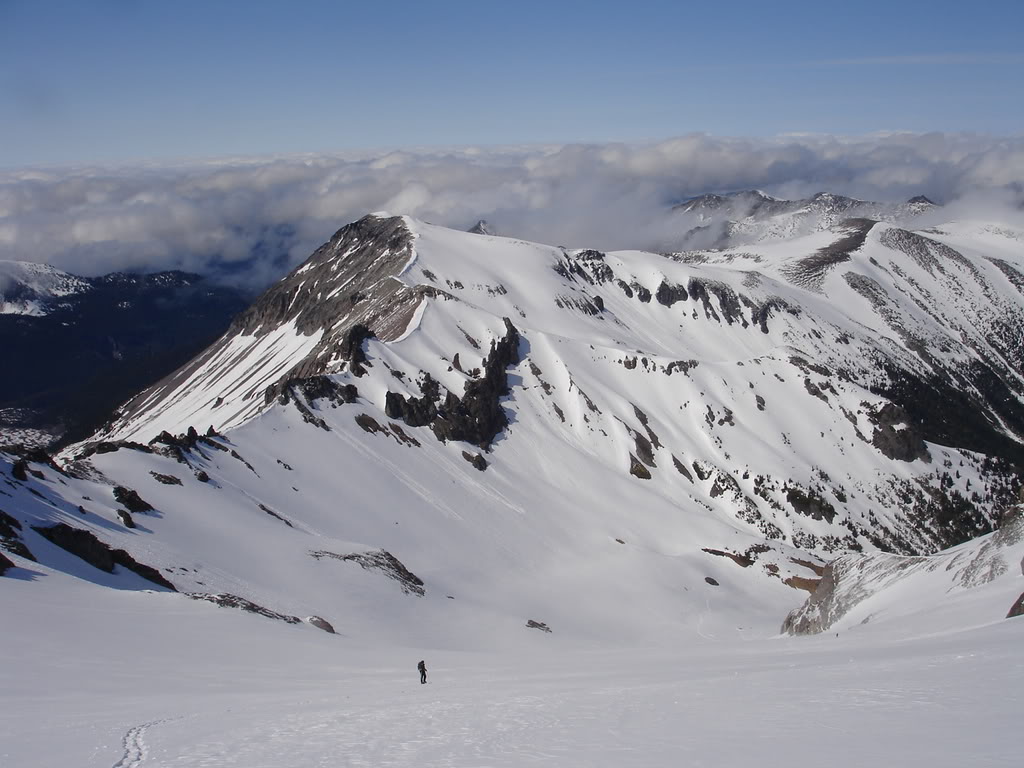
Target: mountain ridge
(654, 426)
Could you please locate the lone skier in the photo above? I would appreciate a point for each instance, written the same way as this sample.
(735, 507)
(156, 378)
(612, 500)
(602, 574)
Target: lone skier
(422, 667)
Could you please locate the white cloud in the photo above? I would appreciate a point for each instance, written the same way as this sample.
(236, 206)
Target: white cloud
(251, 219)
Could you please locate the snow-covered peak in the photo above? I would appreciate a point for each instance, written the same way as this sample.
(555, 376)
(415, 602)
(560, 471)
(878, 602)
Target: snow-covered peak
(28, 288)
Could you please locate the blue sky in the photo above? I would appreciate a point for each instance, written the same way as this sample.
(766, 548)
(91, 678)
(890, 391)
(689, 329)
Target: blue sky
(119, 80)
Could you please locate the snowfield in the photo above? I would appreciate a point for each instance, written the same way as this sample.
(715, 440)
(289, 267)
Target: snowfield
(99, 678)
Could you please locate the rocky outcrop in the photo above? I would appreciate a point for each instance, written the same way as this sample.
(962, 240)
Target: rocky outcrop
(10, 537)
(895, 436)
(1017, 609)
(477, 417)
(309, 392)
(669, 293)
(5, 564)
(810, 271)
(383, 561)
(131, 500)
(414, 411)
(741, 560)
(810, 504)
(125, 518)
(637, 469)
(166, 479)
(227, 600)
(351, 349)
(320, 623)
(316, 388)
(478, 461)
(86, 546)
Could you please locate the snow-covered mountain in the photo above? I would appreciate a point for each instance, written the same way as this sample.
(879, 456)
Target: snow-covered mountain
(34, 289)
(425, 442)
(519, 425)
(752, 216)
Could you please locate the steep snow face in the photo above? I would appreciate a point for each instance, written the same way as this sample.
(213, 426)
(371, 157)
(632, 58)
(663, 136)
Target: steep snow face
(31, 289)
(297, 328)
(974, 581)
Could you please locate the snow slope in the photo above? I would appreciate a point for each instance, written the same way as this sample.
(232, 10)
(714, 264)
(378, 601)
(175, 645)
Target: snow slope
(973, 582)
(97, 678)
(719, 374)
(444, 444)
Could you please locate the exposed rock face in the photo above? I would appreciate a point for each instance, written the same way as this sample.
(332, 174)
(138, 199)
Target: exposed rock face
(810, 504)
(741, 560)
(306, 394)
(5, 564)
(414, 411)
(384, 561)
(482, 227)
(131, 500)
(1017, 609)
(227, 600)
(325, 388)
(475, 459)
(19, 470)
(346, 292)
(637, 469)
(9, 526)
(125, 518)
(896, 437)
(320, 623)
(10, 537)
(477, 417)
(668, 294)
(85, 545)
(166, 479)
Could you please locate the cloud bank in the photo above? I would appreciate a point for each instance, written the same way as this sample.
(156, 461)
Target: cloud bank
(250, 220)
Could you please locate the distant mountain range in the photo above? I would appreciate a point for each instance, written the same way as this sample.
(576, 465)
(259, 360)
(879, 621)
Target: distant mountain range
(753, 216)
(77, 347)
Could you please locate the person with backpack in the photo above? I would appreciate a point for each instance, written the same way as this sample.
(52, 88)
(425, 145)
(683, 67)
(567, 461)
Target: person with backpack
(422, 667)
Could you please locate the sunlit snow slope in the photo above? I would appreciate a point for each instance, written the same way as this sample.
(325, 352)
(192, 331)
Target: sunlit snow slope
(422, 430)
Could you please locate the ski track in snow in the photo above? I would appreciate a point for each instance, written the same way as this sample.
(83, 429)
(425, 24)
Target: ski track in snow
(402, 476)
(135, 748)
